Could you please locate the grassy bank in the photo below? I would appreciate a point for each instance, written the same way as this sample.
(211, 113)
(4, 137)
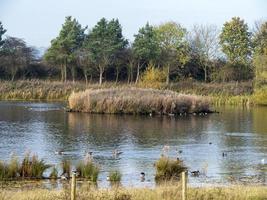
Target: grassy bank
(232, 93)
(137, 101)
(159, 193)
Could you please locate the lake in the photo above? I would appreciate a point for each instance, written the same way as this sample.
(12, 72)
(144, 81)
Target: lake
(44, 128)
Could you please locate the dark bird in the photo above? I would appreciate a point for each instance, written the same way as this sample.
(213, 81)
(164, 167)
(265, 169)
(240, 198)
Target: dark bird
(180, 151)
(195, 173)
(224, 154)
(142, 176)
(210, 143)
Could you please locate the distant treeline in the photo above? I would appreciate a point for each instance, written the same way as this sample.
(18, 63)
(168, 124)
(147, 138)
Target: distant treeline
(102, 53)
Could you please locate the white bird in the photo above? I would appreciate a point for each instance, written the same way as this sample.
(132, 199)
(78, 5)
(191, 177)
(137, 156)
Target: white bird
(263, 161)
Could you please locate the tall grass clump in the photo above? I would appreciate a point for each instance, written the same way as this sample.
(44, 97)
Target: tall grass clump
(66, 167)
(54, 173)
(137, 101)
(168, 169)
(88, 170)
(115, 176)
(32, 167)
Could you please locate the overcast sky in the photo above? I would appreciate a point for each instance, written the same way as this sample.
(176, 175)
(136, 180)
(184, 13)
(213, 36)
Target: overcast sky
(39, 21)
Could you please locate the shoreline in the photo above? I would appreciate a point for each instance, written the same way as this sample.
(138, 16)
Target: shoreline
(237, 94)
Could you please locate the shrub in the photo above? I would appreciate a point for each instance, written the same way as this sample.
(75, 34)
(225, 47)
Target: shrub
(260, 96)
(168, 169)
(153, 77)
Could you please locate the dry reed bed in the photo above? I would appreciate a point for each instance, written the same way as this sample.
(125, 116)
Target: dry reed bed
(137, 101)
(170, 192)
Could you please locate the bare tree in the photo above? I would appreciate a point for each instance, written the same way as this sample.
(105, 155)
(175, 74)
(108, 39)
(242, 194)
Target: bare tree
(15, 55)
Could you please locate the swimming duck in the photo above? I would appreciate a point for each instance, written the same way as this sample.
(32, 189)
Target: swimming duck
(60, 152)
(116, 153)
(195, 173)
(142, 176)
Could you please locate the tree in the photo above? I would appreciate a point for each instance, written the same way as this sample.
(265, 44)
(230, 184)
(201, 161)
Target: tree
(172, 43)
(235, 40)
(145, 47)
(104, 42)
(2, 32)
(15, 55)
(204, 46)
(260, 55)
(63, 47)
(84, 59)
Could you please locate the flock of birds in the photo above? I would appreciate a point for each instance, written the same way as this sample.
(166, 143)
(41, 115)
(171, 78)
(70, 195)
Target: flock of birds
(89, 155)
(166, 148)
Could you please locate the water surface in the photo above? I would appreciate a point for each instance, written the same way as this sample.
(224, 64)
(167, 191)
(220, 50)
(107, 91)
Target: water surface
(44, 128)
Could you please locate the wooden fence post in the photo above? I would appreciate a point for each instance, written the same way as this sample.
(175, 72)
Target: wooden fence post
(184, 185)
(73, 186)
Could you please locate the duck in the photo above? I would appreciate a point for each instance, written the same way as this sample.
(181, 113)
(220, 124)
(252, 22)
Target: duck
(116, 153)
(60, 152)
(195, 173)
(142, 176)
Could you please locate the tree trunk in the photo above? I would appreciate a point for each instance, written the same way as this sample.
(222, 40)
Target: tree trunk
(86, 78)
(117, 74)
(65, 70)
(205, 74)
(138, 71)
(101, 71)
(73, 74)
(168, 75)
(62, 73)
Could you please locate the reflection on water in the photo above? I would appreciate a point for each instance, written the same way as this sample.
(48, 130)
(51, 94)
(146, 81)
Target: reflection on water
(44, 128)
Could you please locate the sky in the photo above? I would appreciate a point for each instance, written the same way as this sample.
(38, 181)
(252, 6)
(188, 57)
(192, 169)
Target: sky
(39, 21)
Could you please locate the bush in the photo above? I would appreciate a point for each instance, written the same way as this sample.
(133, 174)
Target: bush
(168, 169)
(260, 96)
(153, 77)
